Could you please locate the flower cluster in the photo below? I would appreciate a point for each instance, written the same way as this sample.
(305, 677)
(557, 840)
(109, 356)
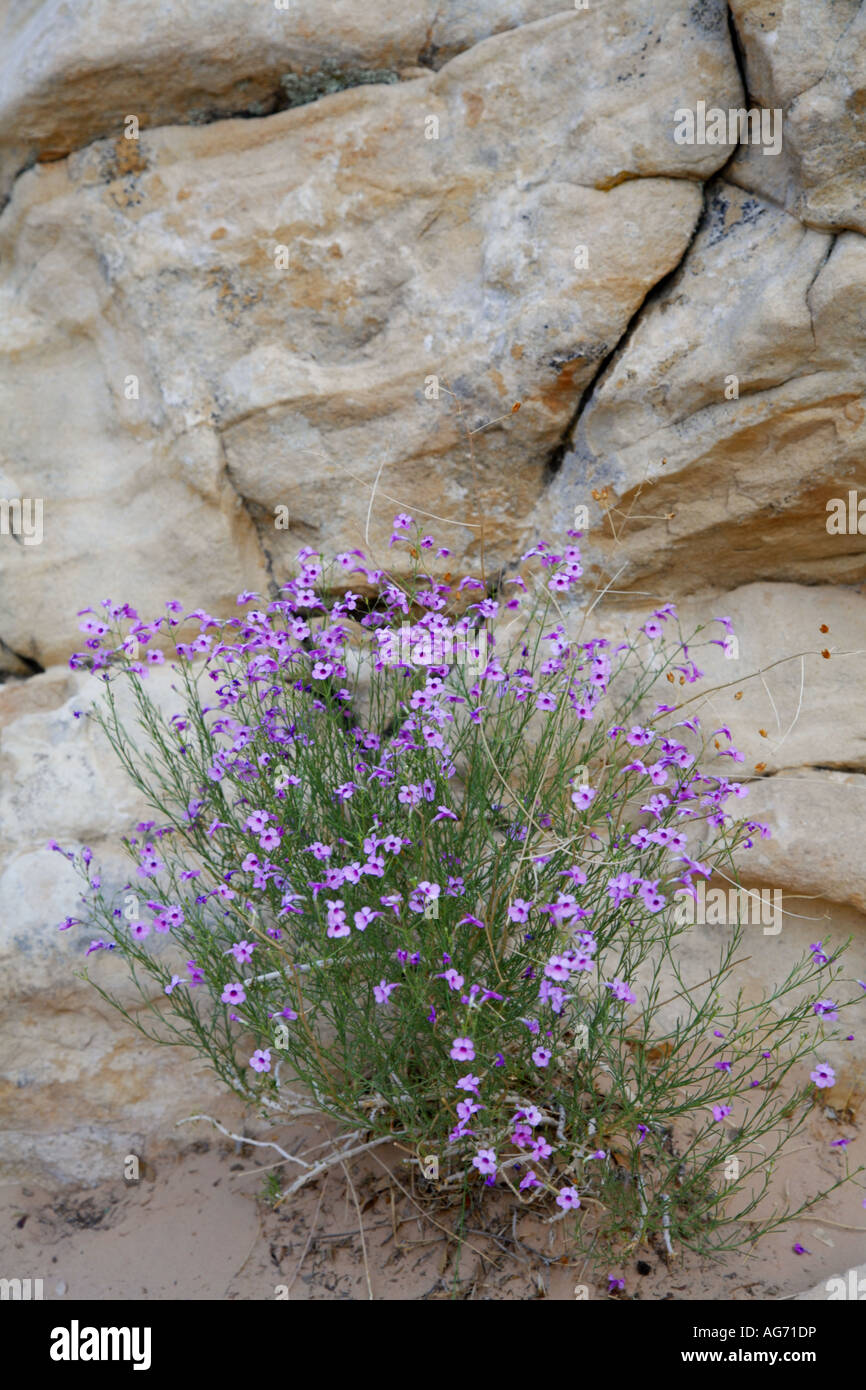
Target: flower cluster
(433, 892)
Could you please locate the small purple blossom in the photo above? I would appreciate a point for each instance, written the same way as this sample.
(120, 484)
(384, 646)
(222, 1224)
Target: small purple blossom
(383, 991)
(485, 1162)
(621, 991)
(468, 1083)
(823, 1075)
(825, 1008)
(568, 1199)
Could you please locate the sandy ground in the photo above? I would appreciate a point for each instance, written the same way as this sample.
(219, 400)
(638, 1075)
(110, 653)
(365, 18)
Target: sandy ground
(197, 1226)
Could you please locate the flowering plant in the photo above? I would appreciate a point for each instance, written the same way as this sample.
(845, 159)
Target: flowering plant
(411, 866)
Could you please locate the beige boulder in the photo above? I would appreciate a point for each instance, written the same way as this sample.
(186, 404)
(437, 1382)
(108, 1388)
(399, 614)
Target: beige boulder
(806, 779)
(776, 927)
(788, 705)
(719, 443)
(53, 757)
(808, 62)
(71, 74)
(80, 1089)
(262, 310)
(816, 847)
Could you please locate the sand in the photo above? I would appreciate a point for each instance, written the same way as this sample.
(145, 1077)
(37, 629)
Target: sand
(197, 1225)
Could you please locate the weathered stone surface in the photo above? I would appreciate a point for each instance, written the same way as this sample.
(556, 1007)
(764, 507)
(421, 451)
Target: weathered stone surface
(788, 705)
(807, 777)
(813, 711)
(817, 841)
(48, 757)
(59, 1042)
(808, 61)
(304, 386)
(79, 1088)
(814, 811)
(806, 882)
(120, 497)
(67, 79)
(711, 491)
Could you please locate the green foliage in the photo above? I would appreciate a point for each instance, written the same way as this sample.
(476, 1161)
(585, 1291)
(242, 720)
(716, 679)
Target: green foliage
(439, 873)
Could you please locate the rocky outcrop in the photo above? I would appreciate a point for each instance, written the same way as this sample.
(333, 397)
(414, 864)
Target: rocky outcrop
(307, 286)
(711, 446)
(59, 1042)
(809, 62)
(73, 74)
(267, 310)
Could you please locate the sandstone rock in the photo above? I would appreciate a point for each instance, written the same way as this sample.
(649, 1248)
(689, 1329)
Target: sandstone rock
(79, 1088)
(50, 757)
(810, 871)
(811, 709)
(806, 882)
(816, 846)
(118, 499)
(806, 778)
(706, 489)
(808, 61)
(67, 78)
(304, 387)
(786, 704)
